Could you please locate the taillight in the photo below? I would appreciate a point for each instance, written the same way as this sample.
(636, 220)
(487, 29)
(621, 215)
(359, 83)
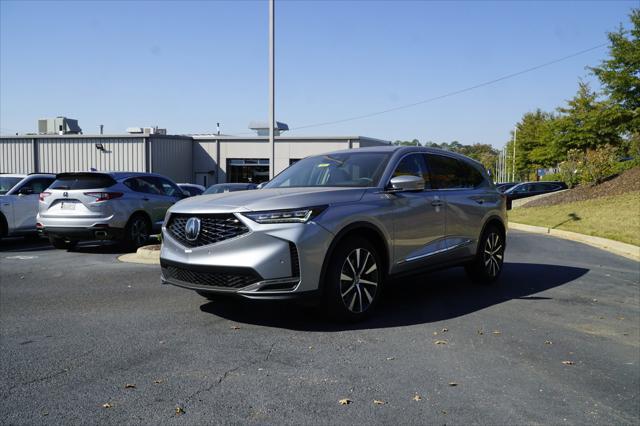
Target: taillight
(104, 196)
(44, 195)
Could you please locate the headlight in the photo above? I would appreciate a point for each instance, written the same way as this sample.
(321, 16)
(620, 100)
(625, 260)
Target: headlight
(285, 216)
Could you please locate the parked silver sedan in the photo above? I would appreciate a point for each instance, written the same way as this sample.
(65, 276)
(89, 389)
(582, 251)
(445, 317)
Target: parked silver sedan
(98, 206)
(337, 227)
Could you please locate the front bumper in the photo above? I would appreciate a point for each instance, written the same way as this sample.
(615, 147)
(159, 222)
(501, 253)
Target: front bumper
(282, 260)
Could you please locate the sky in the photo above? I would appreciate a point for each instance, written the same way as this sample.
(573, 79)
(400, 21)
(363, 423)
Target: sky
(186, 65)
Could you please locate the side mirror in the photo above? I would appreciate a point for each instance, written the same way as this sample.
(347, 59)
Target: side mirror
(407, 183)
(260, 185)
(25, 190)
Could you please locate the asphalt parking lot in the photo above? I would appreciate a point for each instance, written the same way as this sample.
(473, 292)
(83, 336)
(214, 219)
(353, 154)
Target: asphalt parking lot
(85, 339)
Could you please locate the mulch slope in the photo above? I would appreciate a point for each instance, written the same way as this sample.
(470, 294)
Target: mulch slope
(628, 181)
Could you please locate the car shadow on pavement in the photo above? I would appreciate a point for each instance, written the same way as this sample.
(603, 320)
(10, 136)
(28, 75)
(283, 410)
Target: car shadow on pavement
(20, 244)
(414, 300)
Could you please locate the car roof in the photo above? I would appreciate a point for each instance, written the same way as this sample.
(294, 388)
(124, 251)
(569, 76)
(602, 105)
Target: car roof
(402, 149)
(115, 175)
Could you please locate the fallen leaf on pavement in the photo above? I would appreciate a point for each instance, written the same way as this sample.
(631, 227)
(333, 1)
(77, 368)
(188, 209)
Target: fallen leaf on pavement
(453, 384)
(444, 330)
(345, 401)
(158, 381)
(179, 410)
(235, 327)
(548, 342)
(435, 333)
(130, 386)
(497, 332)
(107, 405)
(568, 362)
(379, 402)
(440, 342)
(480, 332)
(417, 397)
(391, 358)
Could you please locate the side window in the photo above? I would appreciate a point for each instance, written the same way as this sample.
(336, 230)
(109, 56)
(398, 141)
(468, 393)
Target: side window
(413, 165)
(133, 184)
(149, 185)
(38, 185)
(444, 172)
(168, 189)
(470, 177)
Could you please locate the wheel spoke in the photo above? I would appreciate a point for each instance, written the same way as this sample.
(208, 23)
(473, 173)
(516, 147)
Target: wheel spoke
(349, 289)
(357, 261)
(359, 298)
(363, 281)
(364, 263)
(366, 293)
(345, 277)
(351, 266)
(372, 268)
(353, 301)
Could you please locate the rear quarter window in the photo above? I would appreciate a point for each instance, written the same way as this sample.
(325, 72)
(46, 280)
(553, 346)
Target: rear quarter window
(451, 173)
(83, 182)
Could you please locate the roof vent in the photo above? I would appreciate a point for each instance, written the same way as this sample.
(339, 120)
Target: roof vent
(262, 128)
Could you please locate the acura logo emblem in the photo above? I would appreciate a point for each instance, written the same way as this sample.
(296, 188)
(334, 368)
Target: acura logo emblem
(192, 228)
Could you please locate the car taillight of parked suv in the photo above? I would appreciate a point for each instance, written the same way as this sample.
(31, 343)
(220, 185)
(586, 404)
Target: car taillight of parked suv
(105, 206)
(337, 227)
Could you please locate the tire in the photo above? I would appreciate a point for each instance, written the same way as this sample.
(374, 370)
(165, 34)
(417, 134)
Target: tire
(488, 263)
(354, 280)
(137, 231)
(62, 244)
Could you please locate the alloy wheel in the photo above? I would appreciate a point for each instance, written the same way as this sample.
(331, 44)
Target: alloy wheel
(139, 233)
(359, 280)
(493, 254)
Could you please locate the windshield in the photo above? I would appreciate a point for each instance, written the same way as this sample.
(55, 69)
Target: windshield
(352, 169)
(6, 183)
(219, 189)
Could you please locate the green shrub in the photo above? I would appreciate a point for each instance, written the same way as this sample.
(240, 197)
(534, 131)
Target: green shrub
(551, 176)
(623, 166)
(569, 170)
(598, 164)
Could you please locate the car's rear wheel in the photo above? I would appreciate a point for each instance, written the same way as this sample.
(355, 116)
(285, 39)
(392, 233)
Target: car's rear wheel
(489, 260)
(137, 231)
(354, 280)
(62, 243)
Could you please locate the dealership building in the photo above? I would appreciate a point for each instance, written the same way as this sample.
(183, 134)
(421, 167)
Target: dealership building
(203, 159)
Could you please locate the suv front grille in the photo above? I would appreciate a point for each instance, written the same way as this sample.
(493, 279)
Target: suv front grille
(213, 228)
(236, 278)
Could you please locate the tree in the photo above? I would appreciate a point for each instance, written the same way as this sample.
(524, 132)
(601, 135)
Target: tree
(620, 74)
(534, 145)
(414, 142)
(587, 123)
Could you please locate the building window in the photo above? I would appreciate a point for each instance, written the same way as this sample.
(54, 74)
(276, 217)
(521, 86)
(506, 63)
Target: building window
(247, 170)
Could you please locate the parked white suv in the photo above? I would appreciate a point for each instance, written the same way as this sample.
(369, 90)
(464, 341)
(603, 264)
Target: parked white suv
(19, 202)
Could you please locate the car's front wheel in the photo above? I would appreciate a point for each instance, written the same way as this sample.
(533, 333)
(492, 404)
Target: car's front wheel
(354, 280)
(489, 260)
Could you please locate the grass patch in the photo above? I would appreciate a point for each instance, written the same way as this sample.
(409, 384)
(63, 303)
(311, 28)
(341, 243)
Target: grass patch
(616, 217)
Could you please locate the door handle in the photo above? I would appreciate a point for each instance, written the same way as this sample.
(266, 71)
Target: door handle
(436, 203)
(479, 201)
(145, 199)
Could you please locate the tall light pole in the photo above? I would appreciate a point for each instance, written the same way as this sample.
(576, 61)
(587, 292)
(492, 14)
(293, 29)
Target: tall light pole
(272, 89)
(513, 166)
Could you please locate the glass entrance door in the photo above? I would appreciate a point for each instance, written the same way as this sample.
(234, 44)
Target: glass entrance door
(247, 170)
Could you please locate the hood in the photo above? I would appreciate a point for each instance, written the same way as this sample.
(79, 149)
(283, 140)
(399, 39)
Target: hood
(268, 199)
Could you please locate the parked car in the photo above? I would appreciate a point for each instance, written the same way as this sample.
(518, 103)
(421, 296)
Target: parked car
(502, 187)
(98, 206)
(19, 202)
(191, 189)
(529, 189)
(337, 227)
(229, 187)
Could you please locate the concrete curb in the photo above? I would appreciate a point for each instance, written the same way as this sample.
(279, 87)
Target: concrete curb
(148, 255)
(629, 251)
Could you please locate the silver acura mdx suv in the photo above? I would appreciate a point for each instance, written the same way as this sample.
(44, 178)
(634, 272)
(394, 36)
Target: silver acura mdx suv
(122, 206)
(338, 226)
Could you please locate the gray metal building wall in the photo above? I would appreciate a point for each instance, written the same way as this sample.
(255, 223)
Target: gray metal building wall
(16, 155)
(172, 156)
(56, 155)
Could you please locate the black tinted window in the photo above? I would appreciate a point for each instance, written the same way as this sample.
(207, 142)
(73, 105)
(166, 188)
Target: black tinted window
(413, 165)
(447, 173)
(83, 181)
(38, 185)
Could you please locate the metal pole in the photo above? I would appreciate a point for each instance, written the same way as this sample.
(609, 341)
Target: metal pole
(515, 139)
(272, 88)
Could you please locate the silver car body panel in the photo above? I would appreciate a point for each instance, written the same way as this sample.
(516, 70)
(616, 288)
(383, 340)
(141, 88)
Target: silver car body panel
(419, 229)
